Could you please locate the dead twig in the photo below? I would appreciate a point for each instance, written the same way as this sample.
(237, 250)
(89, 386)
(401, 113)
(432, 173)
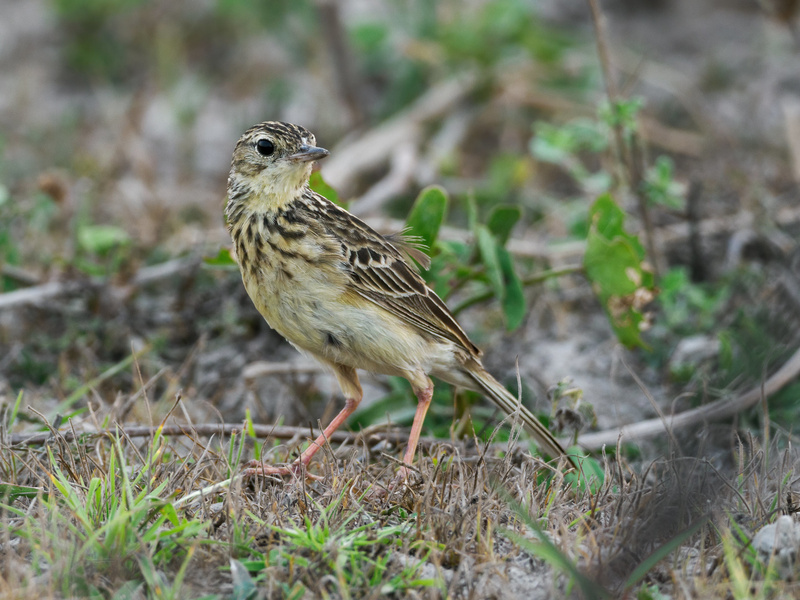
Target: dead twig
(38, 293)
(262, 368)
(371, 150)
(788, 215)
(518, 247)
(370, 437)
(791, 115)
(345, 78)
(19, 275)
(281, 432)
(568, 251)
(720, 409)
(45, 291)
(403, 165)
(629, 154)
(655, 133)
(698, 265)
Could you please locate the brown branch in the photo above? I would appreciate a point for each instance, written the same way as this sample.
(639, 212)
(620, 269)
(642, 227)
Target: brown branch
(698, 263)
(715, 411)
(346, 81)
(19, 275)
(262, 368)
(518, 247)
(372, 149)
(52, 289)
(791, 116)
(281, 432)
(655, 133)
(370, 436)
(38, 293)
(402, 167)
(629, 155)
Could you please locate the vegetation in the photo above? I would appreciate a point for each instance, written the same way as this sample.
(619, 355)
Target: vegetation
(591, 234)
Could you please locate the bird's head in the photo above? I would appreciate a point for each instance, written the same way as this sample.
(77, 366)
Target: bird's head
(271, 165)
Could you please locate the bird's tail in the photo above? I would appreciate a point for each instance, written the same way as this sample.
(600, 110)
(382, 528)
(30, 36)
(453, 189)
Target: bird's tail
(494, 390)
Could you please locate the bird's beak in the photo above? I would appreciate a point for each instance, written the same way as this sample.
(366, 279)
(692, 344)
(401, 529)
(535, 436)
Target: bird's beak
(308, 153)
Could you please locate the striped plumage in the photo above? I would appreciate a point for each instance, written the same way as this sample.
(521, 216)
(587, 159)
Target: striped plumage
(341, 292)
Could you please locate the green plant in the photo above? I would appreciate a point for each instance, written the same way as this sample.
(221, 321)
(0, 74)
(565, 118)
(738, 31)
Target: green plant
(614, 264)
(102, 248)
(690, 308)
(660, 187)
(545, 549)
(115, 526)
(485, 265)
(94, 46)
(333, 547)
(564, 145)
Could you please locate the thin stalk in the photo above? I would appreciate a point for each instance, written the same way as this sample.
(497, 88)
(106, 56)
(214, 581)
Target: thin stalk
(532, 280)
(629, 155)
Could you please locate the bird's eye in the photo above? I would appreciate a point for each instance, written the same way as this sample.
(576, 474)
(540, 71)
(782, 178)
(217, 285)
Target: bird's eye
(265, 147)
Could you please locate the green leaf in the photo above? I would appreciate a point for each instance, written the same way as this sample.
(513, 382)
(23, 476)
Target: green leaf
(99, 239)
(503, 279)
(319, 185)
(548, 150)
(613, 264)
(427, 214)
(223, 260)
(664, 550)
(560, 143)
(491, 261)
(622, 112)
(244, 587)
(660, 186)
(14, 411)
(502, 220)
(514, 305)
(545, 549)
(451, 264)
(590, 474)
(12, 492)
(609, 220)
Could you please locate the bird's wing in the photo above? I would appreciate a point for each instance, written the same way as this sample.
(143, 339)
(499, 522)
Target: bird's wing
(380, 271)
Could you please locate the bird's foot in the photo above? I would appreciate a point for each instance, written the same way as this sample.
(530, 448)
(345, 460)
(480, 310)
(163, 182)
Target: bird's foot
(297, 469)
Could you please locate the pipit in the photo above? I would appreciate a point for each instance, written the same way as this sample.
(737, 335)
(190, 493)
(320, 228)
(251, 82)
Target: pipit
(343, 293)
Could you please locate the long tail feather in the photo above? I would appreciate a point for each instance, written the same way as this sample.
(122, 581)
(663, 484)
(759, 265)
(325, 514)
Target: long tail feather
(494, 390)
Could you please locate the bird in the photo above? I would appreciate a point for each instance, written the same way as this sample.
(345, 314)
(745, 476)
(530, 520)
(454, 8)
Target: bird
(342, 293)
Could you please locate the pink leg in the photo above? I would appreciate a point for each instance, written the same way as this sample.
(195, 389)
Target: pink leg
(348, 381)
(424, 396)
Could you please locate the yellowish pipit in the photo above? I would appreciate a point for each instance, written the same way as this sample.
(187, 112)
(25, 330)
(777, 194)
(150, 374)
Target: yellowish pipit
(341, 292)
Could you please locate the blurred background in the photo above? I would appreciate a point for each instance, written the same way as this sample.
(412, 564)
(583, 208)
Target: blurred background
(118, 119)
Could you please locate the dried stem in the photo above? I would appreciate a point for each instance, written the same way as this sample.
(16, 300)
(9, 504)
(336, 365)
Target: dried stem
(347, 82)
(281, 432)
(629, 155)
(720, 409)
